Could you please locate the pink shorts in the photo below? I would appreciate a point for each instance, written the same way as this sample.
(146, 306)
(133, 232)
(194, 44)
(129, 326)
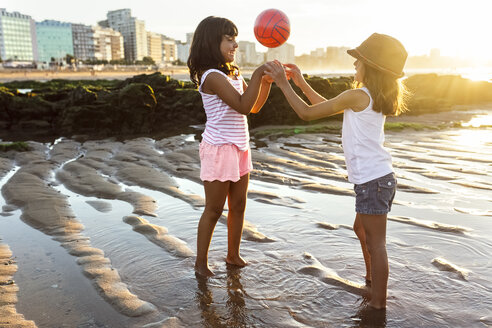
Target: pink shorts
(223, 162)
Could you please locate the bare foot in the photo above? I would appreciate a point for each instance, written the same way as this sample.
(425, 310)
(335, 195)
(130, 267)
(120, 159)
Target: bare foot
(203, 271)
(237, 261)
(366, 292)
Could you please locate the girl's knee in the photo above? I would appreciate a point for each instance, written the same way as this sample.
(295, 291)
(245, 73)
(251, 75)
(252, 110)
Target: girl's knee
(376, 246)
(358, 229)
(213, 212)
(237, 207)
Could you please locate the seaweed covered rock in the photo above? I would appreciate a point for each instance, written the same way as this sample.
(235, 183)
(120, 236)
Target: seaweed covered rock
(432, 92)
(6, 99)
(158, 104)
(129, 111)
(88, 119)
(135, 112)
(183, 108)
(31, 114)
(137, 95)
(81, 95)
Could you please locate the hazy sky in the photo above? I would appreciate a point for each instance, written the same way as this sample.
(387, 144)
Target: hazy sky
(458, 28)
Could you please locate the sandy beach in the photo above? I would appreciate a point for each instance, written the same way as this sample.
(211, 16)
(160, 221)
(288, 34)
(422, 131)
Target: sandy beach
(176, 72)
(125, 214)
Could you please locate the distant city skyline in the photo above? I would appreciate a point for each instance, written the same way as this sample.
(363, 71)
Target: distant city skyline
(457, 28)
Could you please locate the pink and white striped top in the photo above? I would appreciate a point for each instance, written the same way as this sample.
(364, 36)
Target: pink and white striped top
(224, 124)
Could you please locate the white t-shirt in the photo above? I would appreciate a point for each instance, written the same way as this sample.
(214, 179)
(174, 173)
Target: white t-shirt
(362, 141)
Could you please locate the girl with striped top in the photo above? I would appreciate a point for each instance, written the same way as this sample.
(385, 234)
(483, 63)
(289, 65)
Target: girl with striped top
(225, 155)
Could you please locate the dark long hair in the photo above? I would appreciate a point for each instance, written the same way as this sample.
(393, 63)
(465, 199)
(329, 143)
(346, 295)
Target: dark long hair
(205, 48)
(388, 92)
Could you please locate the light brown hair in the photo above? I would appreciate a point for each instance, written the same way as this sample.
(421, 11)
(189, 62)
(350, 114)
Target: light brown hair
(388, 92)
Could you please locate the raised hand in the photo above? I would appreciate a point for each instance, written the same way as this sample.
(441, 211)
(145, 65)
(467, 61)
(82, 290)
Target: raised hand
(294, 73)
(267, 79)
(276, 71)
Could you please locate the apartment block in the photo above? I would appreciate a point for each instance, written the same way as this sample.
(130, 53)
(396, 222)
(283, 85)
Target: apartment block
(154, 46)
(132, 30)
(285, 53)
(183, 51)
(247, 54)
(97, 43)
(108, 44)
(83, 42)
(17, 36)
(54, 40)
(169, 49)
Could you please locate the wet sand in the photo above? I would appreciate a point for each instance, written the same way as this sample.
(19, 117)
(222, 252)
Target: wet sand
(125, 215)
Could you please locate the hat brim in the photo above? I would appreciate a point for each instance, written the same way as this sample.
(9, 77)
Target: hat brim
(356, 54)
(353, 53)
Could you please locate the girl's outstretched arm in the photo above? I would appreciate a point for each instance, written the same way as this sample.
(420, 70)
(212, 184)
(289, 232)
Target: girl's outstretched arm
(298, 78)
(353, 99)
(216, 83)
(266, 83)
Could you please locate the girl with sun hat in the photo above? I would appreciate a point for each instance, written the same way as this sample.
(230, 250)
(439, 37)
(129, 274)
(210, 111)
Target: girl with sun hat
(377, 92)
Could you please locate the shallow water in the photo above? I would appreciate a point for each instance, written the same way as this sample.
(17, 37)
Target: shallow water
(438, 237)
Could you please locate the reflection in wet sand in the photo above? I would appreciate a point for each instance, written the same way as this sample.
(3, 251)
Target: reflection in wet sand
(235, 313)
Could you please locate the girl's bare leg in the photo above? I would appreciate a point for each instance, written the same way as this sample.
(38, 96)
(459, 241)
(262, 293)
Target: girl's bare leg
(375, 230)
(235, 219)
(215, 196)
(361, 234)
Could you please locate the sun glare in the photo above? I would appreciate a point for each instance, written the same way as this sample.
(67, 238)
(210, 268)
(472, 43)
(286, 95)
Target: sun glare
(479, 73)
(473, 139)
(479, 121)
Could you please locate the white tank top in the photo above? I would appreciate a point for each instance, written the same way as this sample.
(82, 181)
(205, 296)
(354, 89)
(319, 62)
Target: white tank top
(362, 141)
(224, 125)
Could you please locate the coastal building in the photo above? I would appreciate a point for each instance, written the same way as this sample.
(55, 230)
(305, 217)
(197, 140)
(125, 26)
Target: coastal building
(117, 45)
(169, 50)
(189, 37)
(285, 53)
(337, 58)
(83, 43)
(183, 48)
(108, 43)
(318, 52)
(17, 37)
(154, 46)
(96, 43)
(247, 54)
(54, 41)
(132, 30)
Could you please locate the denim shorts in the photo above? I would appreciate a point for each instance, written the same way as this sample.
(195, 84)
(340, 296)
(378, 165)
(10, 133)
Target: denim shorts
(375, 197)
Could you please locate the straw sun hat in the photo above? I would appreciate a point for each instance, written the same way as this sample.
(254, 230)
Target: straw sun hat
(383, 53)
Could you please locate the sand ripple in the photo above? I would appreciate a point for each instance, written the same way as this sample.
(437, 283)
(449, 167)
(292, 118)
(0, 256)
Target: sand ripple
(429, 224)
(159, 236)
(445, 265)
(329, 276)
(8, 292)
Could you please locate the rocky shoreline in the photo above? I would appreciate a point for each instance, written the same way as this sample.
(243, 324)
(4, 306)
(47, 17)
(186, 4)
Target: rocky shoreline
(157, 105)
